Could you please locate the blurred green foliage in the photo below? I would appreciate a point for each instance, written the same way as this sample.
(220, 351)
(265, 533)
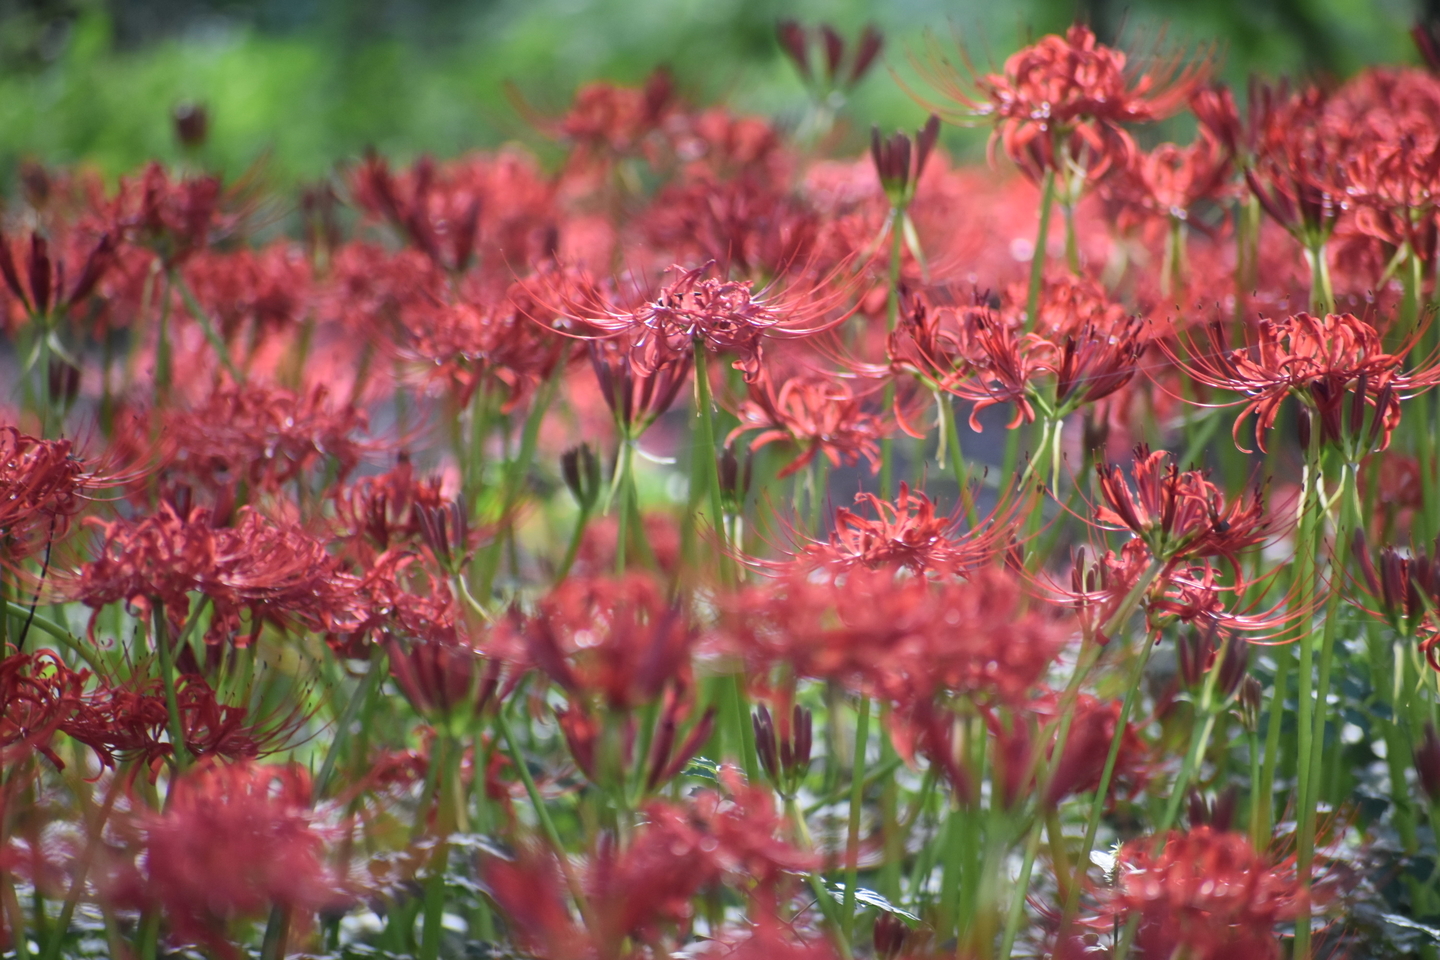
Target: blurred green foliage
(311, 82)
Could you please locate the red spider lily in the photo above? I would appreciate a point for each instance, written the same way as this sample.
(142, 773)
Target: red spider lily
(1066, 95)
(174, 218)
(637, 396)
(42, 287)
(133, 724)
(840, 72)
(605, 119)
(1199, 654)
(1296, 169)
(784, 754)
(892, 158)
(1406, 584)
(42, 486)
(443, 680)
(819, 414)
(617, 643)
(39, 696)
(1170, 180)
(903, 637)
(1179, 515)
(234, 841)
(386, 510)
(469, 344)
(908, 534)
(641, 892)
(280, 574)
(1207, 893)
(1082, 761)
(1319, 361)
(264, 435)
(1191, 594)
(1003, 363)
(1096, 363)
(267, 290)
(395, 597)
(726, 316)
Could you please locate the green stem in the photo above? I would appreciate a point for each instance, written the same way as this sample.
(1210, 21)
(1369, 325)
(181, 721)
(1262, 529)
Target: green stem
(892, 316)
(360, 700)
(1097, 805)
(542, 813)
(167, 677)
(1037, 259)
(857, 798)
(202, 317)
(707, 463)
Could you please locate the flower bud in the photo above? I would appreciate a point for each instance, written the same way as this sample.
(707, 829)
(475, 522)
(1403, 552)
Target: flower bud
(192, 124)
(734, 480)
(1250, 696)
(1235, 661)
(582, 475)
(889, 936)
(1302, 427)
(64, 380)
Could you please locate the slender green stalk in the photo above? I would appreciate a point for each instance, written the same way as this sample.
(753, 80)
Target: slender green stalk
(892, 315)
(1037, 259)
(167, 678)
(202, 317)
(857, 799)
(542, 813)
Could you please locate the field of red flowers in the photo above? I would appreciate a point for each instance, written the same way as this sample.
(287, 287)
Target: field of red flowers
(624, 560)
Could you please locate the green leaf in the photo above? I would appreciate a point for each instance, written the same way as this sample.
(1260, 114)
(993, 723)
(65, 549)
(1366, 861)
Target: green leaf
(871, 898)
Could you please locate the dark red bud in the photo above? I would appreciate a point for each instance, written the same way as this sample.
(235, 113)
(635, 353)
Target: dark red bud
(795, 44)
(870, 43)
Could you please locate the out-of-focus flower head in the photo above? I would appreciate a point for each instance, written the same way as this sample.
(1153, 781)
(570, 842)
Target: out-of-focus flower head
(723, 316)
(817, 413)
(1063, 100)
(263, 435)
(896, 635)
(174, 218)
(46, 285)
(234, 841)
(838, 69)
(1207, 893)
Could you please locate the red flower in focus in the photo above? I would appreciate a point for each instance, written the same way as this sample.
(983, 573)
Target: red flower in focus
(42, 485)
(818, 413)
(39, 696)
(907, 533)
(1067, 95)
(1179, 515)
(1207, 894)
(124, 724)
(280, 574)
(726, 316)
(234, 841)
(1319, 361)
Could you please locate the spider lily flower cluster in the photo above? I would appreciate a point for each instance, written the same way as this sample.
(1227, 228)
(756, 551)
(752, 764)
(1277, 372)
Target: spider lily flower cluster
(621, 561)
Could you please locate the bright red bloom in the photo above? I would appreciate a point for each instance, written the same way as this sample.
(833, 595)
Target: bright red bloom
(1070, 95)
(39, 696)
(612, 642)
(1179, 515)
(726, 316)
(899, 636)
(907, 533)
(1207, 894)
(234, 841)
(1319, 361)
(818, 413)
(42, 485)
(279, 574)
